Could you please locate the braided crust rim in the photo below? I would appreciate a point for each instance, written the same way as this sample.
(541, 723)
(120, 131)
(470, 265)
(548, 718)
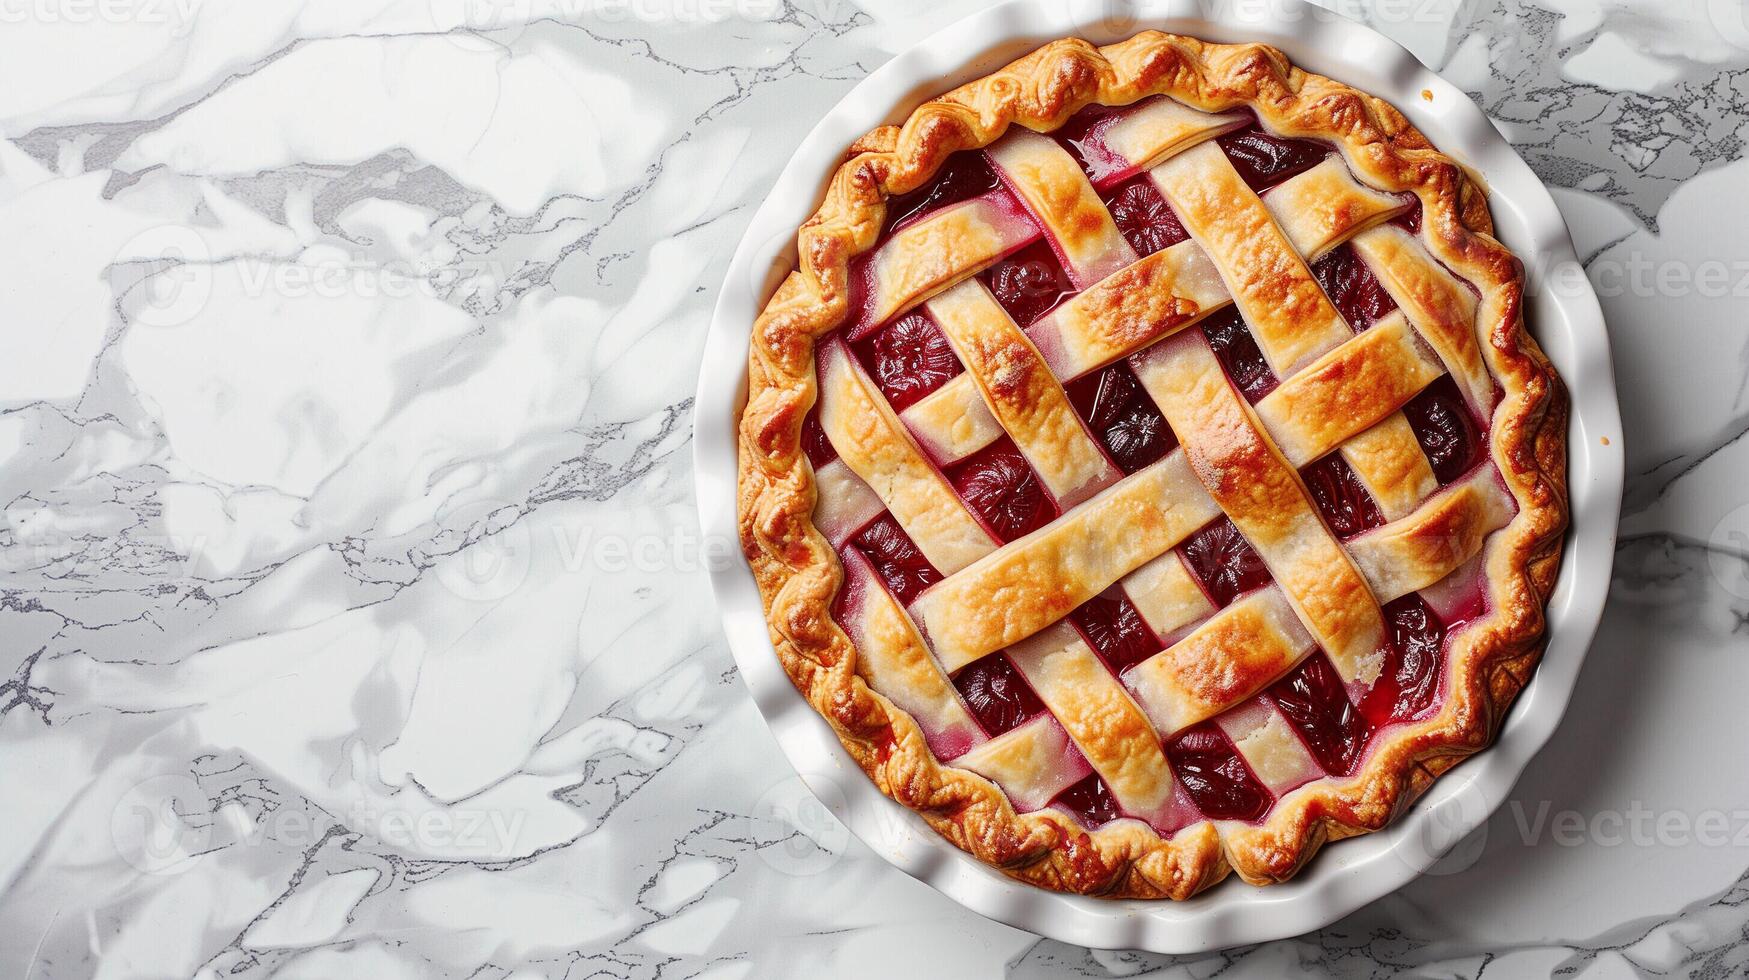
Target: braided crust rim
(798, 574)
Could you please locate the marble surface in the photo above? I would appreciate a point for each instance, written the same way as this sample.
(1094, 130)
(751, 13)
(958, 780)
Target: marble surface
(352, 610)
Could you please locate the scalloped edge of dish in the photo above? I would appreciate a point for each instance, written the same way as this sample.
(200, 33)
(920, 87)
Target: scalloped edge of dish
(1568, 324)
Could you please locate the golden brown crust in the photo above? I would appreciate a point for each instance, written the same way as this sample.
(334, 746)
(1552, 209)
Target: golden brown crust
(798, 573)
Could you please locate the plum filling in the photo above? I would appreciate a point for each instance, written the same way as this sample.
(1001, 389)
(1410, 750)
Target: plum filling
(1029, 282)
(1351, 286)
(896, 558)
(1448, 433)
(1122, 417)
(1315, 702)
(1147, 222)
(1346, 505)
(1089, 802)
(1409, 683)
(1239, 355)
(814, 441)
(908, 359)
(1264, 160)
(963, 177)
(1223, 561)
(997, 695)
(1115, 630)
(1214, 775)
(1003, 491)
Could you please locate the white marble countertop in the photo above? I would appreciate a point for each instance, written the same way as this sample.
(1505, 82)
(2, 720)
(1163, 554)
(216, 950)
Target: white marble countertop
(352, 614)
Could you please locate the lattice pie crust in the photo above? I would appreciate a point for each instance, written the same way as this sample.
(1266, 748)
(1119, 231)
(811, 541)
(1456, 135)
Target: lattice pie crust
(880, 669)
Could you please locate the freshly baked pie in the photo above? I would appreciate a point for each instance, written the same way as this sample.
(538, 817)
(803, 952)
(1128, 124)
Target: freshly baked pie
(1146, 471)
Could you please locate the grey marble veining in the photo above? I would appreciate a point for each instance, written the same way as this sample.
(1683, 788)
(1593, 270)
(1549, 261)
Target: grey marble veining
(352, 610)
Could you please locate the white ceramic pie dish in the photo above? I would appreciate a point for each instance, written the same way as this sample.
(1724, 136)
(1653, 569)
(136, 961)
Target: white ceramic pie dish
(1563, 314)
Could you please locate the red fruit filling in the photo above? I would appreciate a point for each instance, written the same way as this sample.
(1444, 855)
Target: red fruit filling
(1147, 222)
(1122, 416)
(896, 558)
(909, 358)
(1346, 505)
(1448, 433)
(1264, 160)
(1409, 684)
(963, 177)
(997, 695)
(1089, 802)
(814, 441)
(1115, 630)
(1214, 775)
(1223, 561)
(1239, 354)
(1315, 701)
(1029, 282)
(1001, 488)
(1357, 293)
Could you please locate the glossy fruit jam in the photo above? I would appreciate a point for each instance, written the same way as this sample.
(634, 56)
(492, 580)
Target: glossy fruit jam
(908, 358)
